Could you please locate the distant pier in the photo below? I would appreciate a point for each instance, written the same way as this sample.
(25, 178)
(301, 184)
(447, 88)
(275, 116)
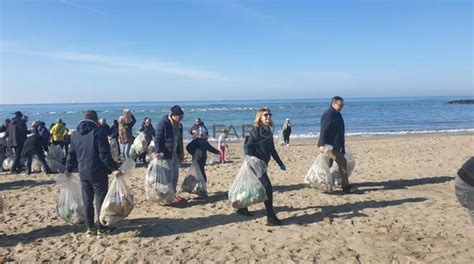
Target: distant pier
(465, 101)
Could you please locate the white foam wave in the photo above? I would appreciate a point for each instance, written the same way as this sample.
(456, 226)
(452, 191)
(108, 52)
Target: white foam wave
(390, 133)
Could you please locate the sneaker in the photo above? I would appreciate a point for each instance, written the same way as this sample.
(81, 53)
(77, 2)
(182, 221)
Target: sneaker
(105, 231)
(244, 212)
(90, 232)
(349, 189)
(273, 221)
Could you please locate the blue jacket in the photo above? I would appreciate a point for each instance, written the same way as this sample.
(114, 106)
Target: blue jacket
(332, 130)
(204, 146)
(90, 152)
(164, 139)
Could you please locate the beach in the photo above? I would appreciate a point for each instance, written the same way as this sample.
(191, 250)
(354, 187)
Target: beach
(404, 211)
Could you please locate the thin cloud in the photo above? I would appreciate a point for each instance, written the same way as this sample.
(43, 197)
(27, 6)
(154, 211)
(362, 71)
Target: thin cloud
(83, 7)
(131, 64)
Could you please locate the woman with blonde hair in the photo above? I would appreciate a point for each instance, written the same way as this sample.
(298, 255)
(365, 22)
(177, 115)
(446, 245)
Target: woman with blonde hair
(125, 137)
(260, 145)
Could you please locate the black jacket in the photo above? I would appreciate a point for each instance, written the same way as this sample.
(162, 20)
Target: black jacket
(107, 130)
(260, 144)
(34, 143)
(17, 131)
(164, 139)
(204, 146)
(90, 152)
(332, 130)
(114, 131)
(149, 132)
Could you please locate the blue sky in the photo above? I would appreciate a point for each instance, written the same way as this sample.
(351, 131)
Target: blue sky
(112, 50)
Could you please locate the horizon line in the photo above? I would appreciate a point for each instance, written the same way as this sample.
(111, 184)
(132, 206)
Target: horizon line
(236, 100)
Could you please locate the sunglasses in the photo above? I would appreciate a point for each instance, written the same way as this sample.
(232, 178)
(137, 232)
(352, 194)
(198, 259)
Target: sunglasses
(267, 115)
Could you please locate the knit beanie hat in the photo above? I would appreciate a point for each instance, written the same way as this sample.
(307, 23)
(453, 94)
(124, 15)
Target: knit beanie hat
(176, 111)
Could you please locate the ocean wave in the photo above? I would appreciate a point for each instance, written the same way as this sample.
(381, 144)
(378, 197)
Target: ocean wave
(389, 133)
(222, 109)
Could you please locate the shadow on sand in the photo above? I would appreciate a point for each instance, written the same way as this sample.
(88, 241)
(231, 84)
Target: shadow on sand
(24, 183)
(400, 183)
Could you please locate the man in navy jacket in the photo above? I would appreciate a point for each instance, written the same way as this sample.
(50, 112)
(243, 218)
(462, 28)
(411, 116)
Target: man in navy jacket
(17, 132)
(169, 142)
(332, 133)
(90, 152)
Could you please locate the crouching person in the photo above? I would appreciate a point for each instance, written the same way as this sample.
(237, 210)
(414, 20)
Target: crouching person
(201, 143)
(90, 153)
(464, 187)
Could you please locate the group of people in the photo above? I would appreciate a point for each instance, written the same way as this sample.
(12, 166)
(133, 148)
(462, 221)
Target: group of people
(90, 154)
(95, 163)
(21, 142)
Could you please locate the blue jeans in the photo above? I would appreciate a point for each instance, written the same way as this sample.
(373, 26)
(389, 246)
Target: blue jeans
(465, 195)
(125, 149)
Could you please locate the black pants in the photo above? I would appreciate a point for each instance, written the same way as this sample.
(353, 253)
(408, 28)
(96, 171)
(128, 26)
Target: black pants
(269, 190)
(91, 188)
(202, 164)
(40, 156)
(286, 138)
(17, 156)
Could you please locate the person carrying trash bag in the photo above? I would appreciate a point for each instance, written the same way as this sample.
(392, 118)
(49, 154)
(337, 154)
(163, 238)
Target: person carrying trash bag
(90, 153)
(333, 133)
(169, 143)
(198, 149)
(260, 144)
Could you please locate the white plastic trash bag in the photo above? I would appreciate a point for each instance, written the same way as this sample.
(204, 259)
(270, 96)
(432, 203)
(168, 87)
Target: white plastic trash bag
(119, 201)
(350, 167)
(36, 164)
(114, 149)
(56, 153)
(150, 152)
(54, 166)
(7, 164)
(246, 188)
(213, 159)
(159, 183)
(70, 205)
(139, 146)
(194, 182)
(318, 175)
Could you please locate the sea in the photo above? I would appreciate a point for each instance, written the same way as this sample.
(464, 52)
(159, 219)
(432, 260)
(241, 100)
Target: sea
(362, 116)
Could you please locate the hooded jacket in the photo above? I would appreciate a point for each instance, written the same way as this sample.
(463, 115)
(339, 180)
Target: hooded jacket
(90, 152)
(17, 131)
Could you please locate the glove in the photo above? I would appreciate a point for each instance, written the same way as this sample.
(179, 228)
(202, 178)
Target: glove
(283, 167)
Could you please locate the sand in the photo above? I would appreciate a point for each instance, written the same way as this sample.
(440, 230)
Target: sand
(405, 211)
